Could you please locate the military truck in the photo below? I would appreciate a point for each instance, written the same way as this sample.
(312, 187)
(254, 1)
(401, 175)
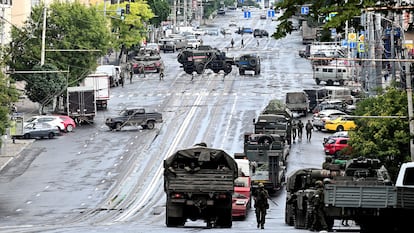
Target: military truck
(267, 154)
(248, 62)
(363, 192)
(134, 117)
(199, 184)
(276, 118)
(298, 102)
(205, 57)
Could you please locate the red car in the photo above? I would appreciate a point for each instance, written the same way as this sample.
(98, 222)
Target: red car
(68, 122)
(240, 206)
(337, 146)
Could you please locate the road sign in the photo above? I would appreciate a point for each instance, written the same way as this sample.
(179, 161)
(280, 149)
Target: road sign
(247, 14)
(361, 47)
(344, 43)
(352, 37)
(304, 10)
(352, 44)
(271, 13)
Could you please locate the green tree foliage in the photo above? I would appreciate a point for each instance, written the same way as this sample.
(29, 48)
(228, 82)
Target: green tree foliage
(8, 95)
(383, 138)
(318, 11)
(69, 26)
(43, 87)
(161, 9)
(130, 31)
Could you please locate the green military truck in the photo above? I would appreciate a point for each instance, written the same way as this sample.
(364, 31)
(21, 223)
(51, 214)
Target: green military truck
(363, 192)
(267, 154)
(276, 118)
(199, 184)
(205, 57)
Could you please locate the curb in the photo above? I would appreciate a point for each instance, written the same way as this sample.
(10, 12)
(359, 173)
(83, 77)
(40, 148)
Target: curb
(10, 150)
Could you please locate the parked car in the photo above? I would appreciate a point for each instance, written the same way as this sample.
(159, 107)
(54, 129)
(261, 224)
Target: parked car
(329, 104)
(213, 32)
(40, 130)
(239, 205)
(337, 146)
(151, 48)
(324, 115)
(339, 134)
(221, 11)
(193, 43)
(232, 23)
(263, 16)
(52, 120)
(225, 31)
(244, 30)
(260, 33)
(340, 124)
(68, 123)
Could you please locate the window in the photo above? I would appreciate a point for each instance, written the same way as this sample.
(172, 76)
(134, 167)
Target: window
(409, 176)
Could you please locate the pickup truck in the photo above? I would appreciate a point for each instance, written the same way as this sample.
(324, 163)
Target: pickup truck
(134, 117)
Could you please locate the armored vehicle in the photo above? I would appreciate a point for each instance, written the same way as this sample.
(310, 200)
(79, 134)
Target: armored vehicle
(248, 62)
(199, 184)
(205, 58)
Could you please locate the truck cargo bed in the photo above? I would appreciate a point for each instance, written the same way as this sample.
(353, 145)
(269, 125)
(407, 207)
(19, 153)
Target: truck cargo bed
(203, 181)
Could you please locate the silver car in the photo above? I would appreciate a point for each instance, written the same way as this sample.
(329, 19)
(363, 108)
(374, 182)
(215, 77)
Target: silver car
(40, 130)
(328, 114)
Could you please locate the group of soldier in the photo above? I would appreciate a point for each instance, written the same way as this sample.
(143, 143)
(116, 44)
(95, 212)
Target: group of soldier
(297, 130)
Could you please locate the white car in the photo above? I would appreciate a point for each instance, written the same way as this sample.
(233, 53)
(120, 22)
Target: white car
(193, 43)
(55, 121)
(321, 117)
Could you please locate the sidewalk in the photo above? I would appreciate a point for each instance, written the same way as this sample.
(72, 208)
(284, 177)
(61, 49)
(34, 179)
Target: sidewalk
(10, 150)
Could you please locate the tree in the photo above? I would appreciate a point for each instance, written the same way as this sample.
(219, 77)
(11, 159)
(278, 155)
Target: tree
(161, 9)
(69, 26)
(43, 87)
(383, 138)
(8, 95)
(318, 10)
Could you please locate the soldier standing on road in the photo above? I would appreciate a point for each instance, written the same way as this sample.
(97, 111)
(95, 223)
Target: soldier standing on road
(294, 129)
(309, 128)
(242, 43)
(232, 42)
(300, 129)
(319, 222)
(129, 69)
(162, 71)
(257, 43)
(261, 204)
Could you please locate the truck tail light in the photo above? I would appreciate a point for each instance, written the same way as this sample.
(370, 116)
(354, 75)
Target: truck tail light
(222, 196)
(177, 195)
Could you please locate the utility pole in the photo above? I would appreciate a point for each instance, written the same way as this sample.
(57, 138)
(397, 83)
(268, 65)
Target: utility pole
(42, 55)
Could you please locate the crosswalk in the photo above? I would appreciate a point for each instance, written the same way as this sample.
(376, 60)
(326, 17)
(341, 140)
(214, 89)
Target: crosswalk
(195, 94)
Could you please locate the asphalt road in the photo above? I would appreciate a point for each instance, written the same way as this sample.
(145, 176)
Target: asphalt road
(96, 180)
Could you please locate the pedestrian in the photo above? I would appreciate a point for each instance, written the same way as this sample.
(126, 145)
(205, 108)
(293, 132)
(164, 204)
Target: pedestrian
(242, 43)
(294, 129)
(261, 205)
(257, 41)
(162, 71)
(300, 129)
(327, 163)
(309, 128)
(232, 42)
(129, 69)
(319, 222)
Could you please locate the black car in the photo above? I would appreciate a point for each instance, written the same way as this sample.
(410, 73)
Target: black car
(260, 33)
(221, 12)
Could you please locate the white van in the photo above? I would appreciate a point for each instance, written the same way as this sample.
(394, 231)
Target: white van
(331, 74)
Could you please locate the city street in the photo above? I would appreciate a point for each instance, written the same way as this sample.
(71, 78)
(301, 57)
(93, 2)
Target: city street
(97, 180)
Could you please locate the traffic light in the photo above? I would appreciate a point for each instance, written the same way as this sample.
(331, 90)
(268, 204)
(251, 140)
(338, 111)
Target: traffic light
(127, 9)
(122, 14)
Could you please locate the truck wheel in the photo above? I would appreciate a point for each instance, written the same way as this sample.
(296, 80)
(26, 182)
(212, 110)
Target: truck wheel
(225, 219)
(189, 71)
(150, 125)
(118, 126)
(200, 68)
(289, 218)
(317, 81)
(27, 136)
(341, 82)
(216, 71)
(227, 69)
(241, 71)
(329, 83)
(174, 222)
(252, 62)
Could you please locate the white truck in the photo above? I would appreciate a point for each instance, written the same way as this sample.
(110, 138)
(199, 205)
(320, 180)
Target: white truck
(113, 72)
(101, 84)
